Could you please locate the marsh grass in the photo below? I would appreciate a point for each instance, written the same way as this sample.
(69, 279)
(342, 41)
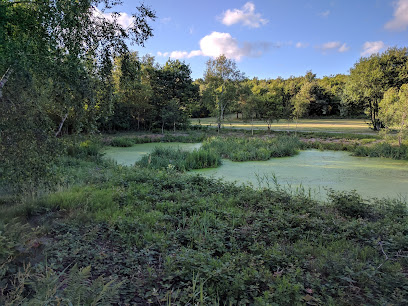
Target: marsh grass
(382, 149)
(177, 159)
(251, 149)
(158, 236)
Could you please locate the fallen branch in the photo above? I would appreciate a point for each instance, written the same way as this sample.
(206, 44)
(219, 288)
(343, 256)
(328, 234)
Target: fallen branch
(385, 254)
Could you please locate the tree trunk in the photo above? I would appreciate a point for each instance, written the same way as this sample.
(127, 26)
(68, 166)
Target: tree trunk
(61, 124)
(163, 128)
(296, 126)
(138, 121)
(220, 118)
(401, 129)
(174, 126)
(4, 80)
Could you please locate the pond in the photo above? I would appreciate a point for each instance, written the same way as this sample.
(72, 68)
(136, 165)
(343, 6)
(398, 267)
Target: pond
(316, 171)
(311, 170)
(129, 155)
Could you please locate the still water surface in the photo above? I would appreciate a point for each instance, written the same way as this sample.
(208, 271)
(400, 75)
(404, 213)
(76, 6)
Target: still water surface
(312, 170)
(128, 156)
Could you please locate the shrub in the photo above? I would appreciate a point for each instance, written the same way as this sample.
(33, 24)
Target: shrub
(382, 150)
(122, 142)
(175, 158)
(251, 149)
(350, 204)
(87, 148)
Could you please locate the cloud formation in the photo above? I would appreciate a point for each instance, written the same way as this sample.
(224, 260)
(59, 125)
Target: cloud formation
(216, 43)
(245, 16)
(371, 47)
(124, 19)
(301, 45)
(334, 46)
(325, 14)
(400, 20)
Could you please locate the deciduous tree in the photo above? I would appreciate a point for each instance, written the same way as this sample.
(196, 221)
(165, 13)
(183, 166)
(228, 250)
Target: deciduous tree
(222, 77)
(393, 110)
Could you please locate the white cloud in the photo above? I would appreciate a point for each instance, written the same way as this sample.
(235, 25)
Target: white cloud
(334, 46)
(195, 53)
(301, 45)
(325, 14)
(246, 16)
(178, 54)
(344, 48)
(124, 19)
(216, 43)
(371, 47)
(400, 20)
(330, 45)
(165, 20)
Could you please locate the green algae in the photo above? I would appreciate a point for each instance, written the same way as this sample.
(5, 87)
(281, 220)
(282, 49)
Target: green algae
(127, 156)
(312, 171)
(316, 171)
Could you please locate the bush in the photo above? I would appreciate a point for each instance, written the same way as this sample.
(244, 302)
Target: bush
(382, 150)
(175, 158)
(85, 149)
(350, 204)
(251, 149)
(122, 142)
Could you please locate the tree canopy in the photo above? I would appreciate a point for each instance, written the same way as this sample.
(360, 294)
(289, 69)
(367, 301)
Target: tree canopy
(56, 60)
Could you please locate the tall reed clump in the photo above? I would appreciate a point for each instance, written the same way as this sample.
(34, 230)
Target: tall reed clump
(122, 142)
(382, 150)
(252, 149)
(175, 158)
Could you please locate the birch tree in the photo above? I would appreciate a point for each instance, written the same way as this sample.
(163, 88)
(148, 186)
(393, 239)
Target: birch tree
(222, 77)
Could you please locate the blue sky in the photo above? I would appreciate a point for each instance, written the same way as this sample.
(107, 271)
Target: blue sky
(271, 38)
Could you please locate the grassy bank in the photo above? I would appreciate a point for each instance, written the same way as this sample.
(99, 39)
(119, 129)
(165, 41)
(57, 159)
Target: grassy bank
(137, 235)
(310, 125)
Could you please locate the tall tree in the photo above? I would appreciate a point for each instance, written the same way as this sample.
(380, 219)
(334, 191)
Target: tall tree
(173, 89)
(393, 110)
(301, 102)
(222, 77)
(372, 76)
(56, 61)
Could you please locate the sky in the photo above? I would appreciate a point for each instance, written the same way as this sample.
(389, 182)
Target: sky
(272, 38)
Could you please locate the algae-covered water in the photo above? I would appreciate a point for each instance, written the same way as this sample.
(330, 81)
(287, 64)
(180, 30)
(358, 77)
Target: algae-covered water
(129, 155)
(312, 170)
(316, 171)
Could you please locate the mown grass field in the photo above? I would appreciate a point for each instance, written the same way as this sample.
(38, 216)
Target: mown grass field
(311, 125)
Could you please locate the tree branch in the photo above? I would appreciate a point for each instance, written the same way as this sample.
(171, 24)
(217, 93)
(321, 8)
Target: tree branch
(4, 80)
(61, 124)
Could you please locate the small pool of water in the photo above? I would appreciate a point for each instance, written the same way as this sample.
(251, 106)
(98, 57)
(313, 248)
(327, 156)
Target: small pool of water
(312, 170)
(129, 155)
(316, 171)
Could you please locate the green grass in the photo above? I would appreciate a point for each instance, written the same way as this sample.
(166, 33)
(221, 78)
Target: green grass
(161, 235)
(308, 125)
(129, 139)
(251, 149)
(177, 159)
(137, 235)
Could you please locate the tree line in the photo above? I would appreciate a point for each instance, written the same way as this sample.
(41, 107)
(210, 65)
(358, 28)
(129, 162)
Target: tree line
(149, 96)
(66, 69)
